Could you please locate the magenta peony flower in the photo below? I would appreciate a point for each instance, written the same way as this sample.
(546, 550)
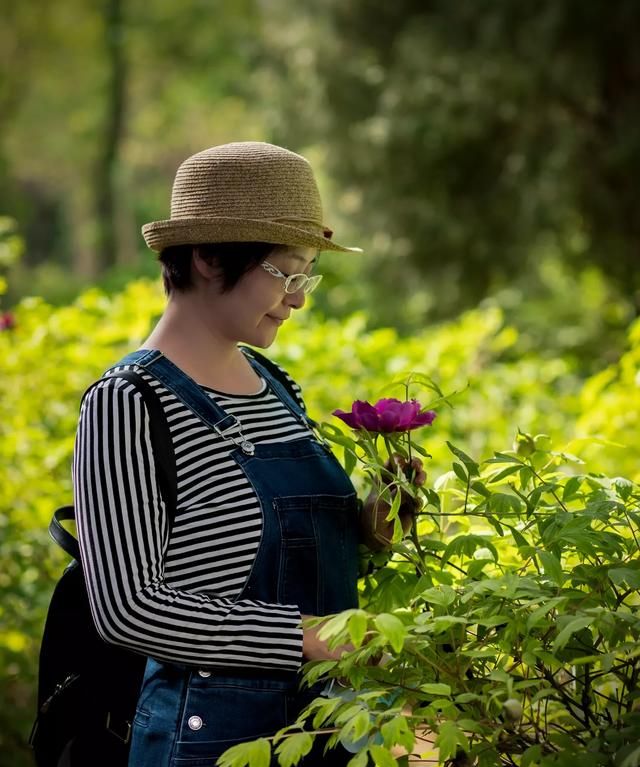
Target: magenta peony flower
(7, 321)
(386, 416)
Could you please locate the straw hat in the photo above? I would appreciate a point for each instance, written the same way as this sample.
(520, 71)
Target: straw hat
(244, 192)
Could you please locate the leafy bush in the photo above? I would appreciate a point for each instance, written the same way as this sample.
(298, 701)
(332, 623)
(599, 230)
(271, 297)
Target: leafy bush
(51, 354)
(510, 625)
(46, 362)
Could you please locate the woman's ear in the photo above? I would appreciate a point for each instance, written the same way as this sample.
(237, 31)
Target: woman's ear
(201, 268)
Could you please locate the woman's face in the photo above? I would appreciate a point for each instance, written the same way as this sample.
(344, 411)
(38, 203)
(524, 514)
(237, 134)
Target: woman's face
(254, 309)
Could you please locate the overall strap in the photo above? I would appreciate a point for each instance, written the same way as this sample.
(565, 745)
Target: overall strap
(210, 412)
(278, 382)
(162, 451)
(185, 389)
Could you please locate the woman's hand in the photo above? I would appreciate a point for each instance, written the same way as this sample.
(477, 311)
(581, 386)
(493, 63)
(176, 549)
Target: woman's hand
(377, 531)
(314, 648)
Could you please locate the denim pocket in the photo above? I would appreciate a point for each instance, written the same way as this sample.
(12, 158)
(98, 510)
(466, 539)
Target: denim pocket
(318, 564)
(224, 712)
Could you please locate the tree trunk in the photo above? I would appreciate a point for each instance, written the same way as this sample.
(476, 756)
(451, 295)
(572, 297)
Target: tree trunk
(106, 175)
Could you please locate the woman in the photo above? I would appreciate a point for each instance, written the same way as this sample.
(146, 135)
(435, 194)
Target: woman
(265, 530)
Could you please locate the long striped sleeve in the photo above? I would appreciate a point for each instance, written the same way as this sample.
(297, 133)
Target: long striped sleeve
(174, 595)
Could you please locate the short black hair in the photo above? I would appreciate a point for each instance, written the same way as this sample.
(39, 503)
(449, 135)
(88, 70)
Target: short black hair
(233, 258)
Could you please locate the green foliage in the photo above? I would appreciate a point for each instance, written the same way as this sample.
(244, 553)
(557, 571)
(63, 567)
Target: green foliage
(505, 549)
(46, 362)
(510, 628)
(610, 407)
(466, 138)
(110, 87)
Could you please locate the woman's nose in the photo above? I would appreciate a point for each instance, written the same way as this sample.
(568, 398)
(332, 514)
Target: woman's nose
(295, 300)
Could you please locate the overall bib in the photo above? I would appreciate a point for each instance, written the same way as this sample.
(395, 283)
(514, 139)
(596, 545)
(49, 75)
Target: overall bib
(187, 717)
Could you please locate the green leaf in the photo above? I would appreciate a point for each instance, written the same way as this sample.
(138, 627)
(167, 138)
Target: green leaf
(395, 507)
(357, 626)
(382, 757)
(319, 669)
(567, 632)
(350, 460)
(440, 595)
(571, 488)
(495, 524)
(359, 760)
(420, 450)
(432, 497)
(293, 748)
(334, 625)
(467, 697)
(325, 708)
(435, 688)
(531, 756)
(392, 629)
(552, 567)
(459, 471)
(505, 473)
(348, 713)
(503, 458)
(631, 756)
(466, 545)
(624, 487)
(518, 538)
(255, 753)
(503, 503)
(450, 737)
(470, 465)
(536, 616)
(480, 488)
(626, 575)
(357, 726)
(477, 566)
(397, 731)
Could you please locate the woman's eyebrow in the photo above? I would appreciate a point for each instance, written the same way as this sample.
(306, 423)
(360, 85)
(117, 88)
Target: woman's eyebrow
(298, 257)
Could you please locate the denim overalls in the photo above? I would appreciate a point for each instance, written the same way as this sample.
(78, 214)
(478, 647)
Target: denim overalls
(307, 556)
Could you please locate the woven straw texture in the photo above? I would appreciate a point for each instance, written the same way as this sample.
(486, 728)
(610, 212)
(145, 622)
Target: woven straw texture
(244, 192)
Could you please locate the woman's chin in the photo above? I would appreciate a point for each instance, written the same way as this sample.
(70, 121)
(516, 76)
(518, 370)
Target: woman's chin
(262, 337)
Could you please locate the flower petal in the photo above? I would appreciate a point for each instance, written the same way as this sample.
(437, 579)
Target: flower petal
(365, 415)
(409, 411)
(423, 419)
(389, 413)
(348, 418)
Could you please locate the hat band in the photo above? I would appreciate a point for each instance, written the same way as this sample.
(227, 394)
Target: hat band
(309, 225)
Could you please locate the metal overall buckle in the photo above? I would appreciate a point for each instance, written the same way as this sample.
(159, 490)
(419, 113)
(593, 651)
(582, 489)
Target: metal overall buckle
(240, 440)
(124, 736)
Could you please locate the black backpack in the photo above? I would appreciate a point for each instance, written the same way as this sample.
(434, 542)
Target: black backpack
(88, 689)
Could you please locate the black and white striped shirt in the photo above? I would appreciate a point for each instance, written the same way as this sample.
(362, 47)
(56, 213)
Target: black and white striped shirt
(175, 596)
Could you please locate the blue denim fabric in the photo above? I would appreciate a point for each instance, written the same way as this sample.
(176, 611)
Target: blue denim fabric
(307, 556)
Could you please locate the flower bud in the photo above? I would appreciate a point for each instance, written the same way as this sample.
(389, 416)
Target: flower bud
(512, 709)
(542, 442)
(524, 445)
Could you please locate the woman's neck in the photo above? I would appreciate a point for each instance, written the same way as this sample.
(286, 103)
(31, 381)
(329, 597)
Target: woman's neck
(205, 354)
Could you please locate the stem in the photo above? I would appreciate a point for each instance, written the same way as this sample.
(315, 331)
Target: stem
(553, 492)
(466, 495)
(416, 542)
(631, 528)
(431, 663)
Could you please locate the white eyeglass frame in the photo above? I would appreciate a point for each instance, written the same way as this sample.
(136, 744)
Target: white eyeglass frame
(307, 285)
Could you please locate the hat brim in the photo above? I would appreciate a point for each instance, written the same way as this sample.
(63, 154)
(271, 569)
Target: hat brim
(192, 231)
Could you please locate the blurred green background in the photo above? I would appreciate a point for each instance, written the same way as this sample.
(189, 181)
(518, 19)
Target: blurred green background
(484, 154)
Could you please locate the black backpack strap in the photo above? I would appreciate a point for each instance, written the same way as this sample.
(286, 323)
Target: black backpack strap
(63, 537)
(162, 451)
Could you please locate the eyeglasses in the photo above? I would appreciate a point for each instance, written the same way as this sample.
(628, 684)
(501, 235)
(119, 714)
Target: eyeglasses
(294, 282)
